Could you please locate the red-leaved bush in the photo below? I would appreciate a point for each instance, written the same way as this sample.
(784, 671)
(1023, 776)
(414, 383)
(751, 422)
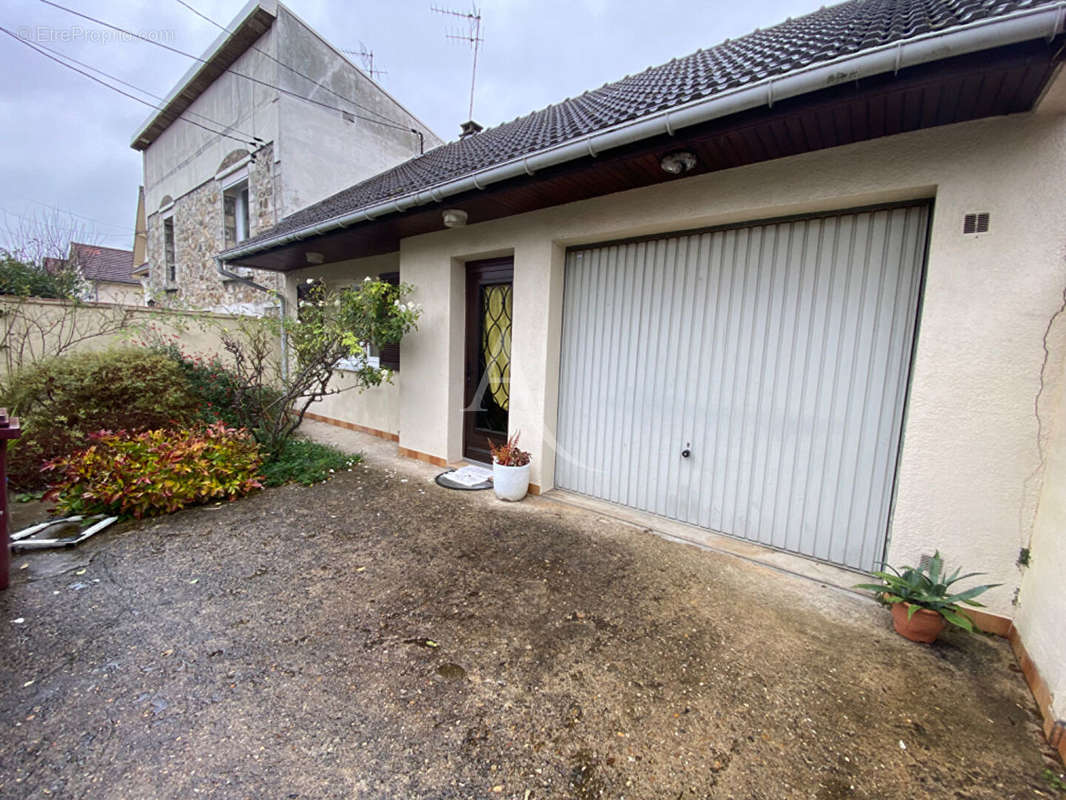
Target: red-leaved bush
(509, 454)
(154, 472)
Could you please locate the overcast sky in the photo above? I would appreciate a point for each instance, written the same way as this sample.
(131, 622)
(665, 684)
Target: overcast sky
(64, 141)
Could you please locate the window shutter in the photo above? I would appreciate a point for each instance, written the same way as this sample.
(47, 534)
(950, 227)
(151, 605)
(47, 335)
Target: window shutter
(389, 354)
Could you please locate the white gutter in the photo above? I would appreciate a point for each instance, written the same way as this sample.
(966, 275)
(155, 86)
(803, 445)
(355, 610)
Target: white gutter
(1044, 22)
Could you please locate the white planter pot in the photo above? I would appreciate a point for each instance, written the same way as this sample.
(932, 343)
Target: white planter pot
(510, 483)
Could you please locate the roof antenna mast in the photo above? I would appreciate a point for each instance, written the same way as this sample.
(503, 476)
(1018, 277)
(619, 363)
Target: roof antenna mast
(472, 36)
(366, 55)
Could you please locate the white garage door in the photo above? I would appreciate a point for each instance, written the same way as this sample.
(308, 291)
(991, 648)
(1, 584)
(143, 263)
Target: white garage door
(750, 380)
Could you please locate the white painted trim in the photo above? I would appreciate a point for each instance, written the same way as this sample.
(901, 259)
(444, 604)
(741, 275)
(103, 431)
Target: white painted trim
(235, 173)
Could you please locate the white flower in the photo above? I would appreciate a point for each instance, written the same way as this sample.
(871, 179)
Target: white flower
(367, 279)
(309, 280)
(396, 303)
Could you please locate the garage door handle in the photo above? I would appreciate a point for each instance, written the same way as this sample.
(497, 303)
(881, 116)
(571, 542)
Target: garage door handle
(686, 452)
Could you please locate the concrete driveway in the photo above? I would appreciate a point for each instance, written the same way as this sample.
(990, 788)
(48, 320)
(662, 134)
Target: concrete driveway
(379, 637)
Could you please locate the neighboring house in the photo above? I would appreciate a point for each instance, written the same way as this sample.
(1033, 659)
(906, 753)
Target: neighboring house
(319, 124)
(107, 272)
(804, 288)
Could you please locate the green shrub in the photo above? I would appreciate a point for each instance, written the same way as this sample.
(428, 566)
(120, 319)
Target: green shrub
(927, 587)
(62, 401)
(306, 462)
(215, 387)
(220, 393)
(29, 280)
(155, 472)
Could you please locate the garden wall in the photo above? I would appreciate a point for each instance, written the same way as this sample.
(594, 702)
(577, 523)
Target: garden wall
(34, 328)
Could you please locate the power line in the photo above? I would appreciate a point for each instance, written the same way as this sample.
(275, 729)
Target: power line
(100, 234)
(27, 218)
(115, 88)
(144, 91)
(318, 84)
(231, 71)
(75, 214)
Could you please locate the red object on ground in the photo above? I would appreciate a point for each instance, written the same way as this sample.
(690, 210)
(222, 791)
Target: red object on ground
(9, 429)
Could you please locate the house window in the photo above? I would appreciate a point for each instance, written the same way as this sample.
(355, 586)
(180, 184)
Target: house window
(235, 213)
(168, 251)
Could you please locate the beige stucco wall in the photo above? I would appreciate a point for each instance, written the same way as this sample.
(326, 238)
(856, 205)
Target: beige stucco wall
(58, 323)
(122, 293)
(965, 482)
(1041, 619)
(970, 438)
(377, 408)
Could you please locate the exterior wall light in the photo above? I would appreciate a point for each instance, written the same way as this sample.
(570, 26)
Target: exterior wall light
(678, 163)
(454, 218)
(314, 258)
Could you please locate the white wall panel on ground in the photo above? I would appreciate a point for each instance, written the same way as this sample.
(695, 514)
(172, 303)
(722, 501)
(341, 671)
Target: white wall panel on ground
(777, 354)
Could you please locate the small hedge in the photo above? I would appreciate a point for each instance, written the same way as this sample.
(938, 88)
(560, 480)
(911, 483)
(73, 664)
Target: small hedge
(222, 394)
(155, 472)
(62, 401)
(306, 462)
(214, 385)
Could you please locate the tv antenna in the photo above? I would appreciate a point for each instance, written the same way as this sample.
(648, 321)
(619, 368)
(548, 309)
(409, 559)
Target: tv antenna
(366, 55)
(472, 36)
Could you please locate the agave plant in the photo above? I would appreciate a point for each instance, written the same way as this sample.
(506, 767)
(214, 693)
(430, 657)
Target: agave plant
(928, 587)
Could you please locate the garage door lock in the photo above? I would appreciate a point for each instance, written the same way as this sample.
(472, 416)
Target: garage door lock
(686, 452)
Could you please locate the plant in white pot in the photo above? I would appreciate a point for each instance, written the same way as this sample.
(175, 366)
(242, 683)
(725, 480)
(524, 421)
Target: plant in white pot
(510, 470)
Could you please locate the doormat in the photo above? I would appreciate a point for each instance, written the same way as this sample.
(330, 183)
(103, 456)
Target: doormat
(467, 479)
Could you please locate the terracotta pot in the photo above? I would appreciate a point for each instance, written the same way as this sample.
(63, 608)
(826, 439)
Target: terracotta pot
(924, 626)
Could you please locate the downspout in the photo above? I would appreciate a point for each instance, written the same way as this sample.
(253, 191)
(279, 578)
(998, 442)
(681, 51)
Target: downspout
(233, 276)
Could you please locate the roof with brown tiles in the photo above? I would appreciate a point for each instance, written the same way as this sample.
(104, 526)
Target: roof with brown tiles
(824, 35)
(103, 263)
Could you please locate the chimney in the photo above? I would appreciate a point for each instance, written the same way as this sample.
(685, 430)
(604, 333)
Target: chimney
(469, 128)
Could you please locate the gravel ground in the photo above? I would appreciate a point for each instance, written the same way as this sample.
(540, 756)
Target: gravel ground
(379, 637)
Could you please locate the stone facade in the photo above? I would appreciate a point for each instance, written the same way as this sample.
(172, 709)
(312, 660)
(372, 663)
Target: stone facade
(199, 235)
(262, 175)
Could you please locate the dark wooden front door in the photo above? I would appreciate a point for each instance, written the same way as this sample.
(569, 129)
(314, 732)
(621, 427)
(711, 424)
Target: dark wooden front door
(488, 355)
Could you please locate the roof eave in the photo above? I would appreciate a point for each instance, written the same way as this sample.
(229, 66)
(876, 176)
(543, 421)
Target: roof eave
(226, 49)
(984, 34)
